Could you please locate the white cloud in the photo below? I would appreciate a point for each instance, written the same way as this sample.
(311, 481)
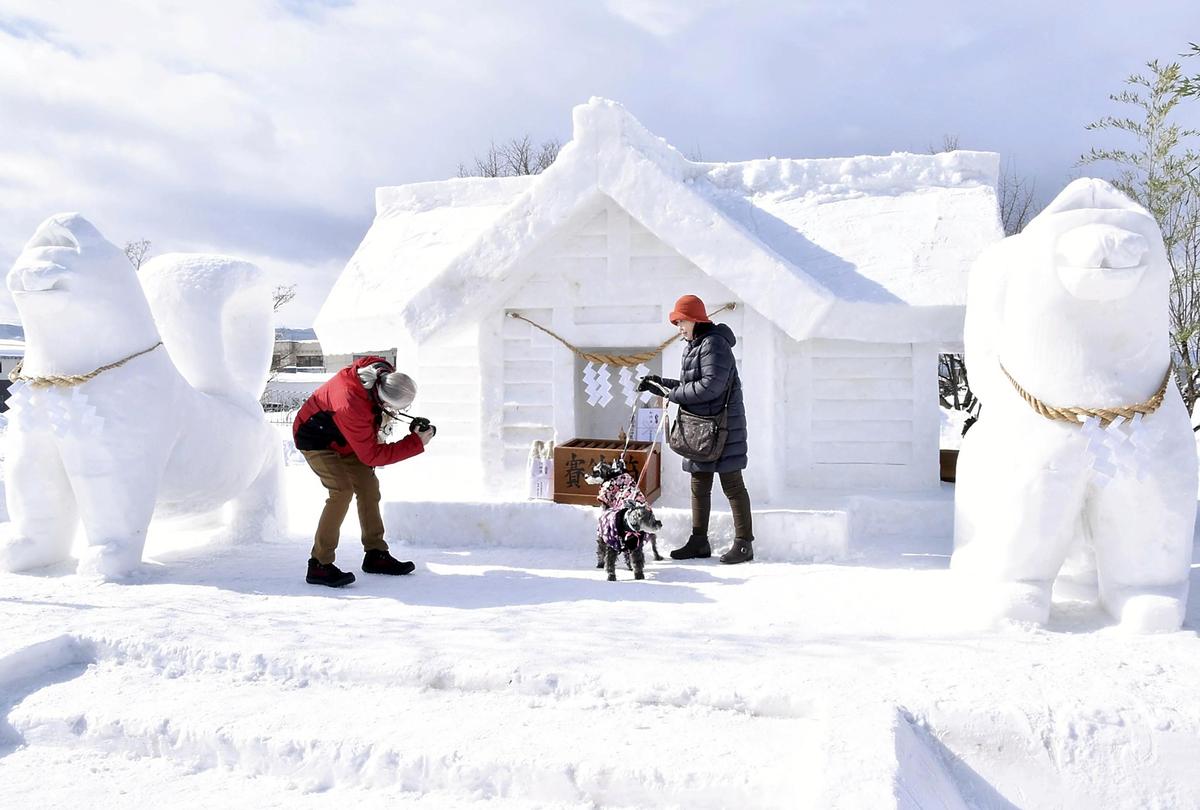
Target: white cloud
(261, 127)
(663, 17)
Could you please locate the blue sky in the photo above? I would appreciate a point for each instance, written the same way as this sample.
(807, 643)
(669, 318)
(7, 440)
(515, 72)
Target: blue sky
(260, 128)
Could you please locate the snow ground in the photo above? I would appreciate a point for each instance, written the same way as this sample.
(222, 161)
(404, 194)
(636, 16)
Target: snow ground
(519, 678)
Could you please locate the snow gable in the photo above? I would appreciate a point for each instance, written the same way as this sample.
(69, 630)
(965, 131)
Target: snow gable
(418, 229)
(871, 248)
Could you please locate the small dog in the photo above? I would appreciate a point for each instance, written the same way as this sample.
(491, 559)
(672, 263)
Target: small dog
(626, 523)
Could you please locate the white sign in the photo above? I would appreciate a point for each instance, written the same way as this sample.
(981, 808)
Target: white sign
(645, 428)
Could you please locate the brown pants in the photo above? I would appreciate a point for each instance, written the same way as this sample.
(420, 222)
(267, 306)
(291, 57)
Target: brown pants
(739, 503)
(345, 477)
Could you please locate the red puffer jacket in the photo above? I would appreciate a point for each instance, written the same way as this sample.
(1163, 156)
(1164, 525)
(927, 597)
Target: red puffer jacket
(343, 416)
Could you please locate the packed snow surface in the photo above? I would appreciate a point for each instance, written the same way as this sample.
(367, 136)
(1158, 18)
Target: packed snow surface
(517, 678)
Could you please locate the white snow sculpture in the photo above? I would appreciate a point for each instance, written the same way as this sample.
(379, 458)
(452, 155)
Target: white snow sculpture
(175, 426)
(1073, 312)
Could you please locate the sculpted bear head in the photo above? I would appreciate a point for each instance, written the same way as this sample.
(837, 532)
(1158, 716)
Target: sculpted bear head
(1075, 306)
(79, 299)
(1091, 244)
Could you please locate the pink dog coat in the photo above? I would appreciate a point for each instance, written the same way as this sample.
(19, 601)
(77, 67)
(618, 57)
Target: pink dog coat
(616, 495)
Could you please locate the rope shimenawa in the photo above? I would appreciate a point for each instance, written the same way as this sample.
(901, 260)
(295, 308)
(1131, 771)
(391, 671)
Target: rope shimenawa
(1105, 415)
(70, 380)
(611, 359)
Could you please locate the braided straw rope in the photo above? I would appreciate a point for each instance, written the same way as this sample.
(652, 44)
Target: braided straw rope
(1105, 415)
(71, 380)
(612, 359)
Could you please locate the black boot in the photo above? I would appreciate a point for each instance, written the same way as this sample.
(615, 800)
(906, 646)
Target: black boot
(327, 574)
(741, 551)
(695, 547)
(381, 562)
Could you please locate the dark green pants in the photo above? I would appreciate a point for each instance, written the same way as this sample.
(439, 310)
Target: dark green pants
(739, 503)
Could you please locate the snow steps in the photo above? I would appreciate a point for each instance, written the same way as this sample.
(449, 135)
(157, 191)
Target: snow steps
(290, 728)
(786, 535)
(487, 745)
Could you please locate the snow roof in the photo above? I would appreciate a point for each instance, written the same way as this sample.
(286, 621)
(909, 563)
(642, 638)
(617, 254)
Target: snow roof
(873, 248)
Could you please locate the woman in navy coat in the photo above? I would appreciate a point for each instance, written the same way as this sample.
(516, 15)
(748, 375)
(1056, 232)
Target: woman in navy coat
(708, 373)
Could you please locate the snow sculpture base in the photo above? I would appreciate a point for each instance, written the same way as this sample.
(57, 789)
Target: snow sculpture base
(137, 438)
(1074, 308)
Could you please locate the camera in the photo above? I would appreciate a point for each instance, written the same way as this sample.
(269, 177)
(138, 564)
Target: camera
(421, 423)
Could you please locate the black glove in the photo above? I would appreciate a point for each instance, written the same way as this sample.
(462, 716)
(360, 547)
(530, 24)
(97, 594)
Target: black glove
(652, 383)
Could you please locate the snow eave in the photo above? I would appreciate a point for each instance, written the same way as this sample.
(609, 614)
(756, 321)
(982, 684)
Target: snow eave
(893, 322)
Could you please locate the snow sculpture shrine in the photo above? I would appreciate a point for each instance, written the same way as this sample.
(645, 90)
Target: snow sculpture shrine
(155, 412)
(1084, 446)
(847, 277)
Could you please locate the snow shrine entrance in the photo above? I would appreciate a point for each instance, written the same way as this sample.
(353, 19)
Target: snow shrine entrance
(602, 400)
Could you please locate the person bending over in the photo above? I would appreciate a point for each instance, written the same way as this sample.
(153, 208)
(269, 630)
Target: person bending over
(337, 430)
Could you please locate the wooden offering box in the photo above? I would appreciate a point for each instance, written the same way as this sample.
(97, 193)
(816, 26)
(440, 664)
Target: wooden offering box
(574, 460)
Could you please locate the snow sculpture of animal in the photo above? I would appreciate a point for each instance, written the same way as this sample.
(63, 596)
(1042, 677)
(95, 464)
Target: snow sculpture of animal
(163, 413)
(1083, 444)
(626, 522)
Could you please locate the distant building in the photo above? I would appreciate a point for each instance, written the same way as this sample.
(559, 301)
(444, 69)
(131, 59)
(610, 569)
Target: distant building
(299, 366)
(297, 350)
(12, 350)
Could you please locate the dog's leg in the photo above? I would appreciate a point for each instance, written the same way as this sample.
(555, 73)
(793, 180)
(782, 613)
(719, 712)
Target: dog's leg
(654, 547)
(601, 549)
(116, 494)
(639, 562)
(628, 560)
(44, 515)
(610, 563)
(258, 512)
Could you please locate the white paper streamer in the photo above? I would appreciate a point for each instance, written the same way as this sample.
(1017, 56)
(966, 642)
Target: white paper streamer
(1124, 447)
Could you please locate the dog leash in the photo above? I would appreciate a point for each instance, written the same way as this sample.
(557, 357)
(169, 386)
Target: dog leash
(653, 449)
(629, 431)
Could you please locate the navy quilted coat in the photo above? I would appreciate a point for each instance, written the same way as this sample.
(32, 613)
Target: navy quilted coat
(708, 368)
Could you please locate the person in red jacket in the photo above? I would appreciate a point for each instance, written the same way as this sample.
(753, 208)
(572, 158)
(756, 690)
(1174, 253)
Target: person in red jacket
(337, 430)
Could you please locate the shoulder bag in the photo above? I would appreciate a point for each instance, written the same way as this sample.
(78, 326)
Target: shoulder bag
(701, 438)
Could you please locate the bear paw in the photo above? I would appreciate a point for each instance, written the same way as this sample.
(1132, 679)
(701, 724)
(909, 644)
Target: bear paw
(23, 554)
(109, 562)
(1013, 601)
(1152, 613)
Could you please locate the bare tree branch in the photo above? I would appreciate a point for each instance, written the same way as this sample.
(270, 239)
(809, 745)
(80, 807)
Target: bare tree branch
(137, 252)
(1015, 194)
(1162, 173)
(949, 144)
(516, 157)
(281, 295)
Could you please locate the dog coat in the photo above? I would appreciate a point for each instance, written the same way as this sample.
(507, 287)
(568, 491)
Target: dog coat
(617, 495)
